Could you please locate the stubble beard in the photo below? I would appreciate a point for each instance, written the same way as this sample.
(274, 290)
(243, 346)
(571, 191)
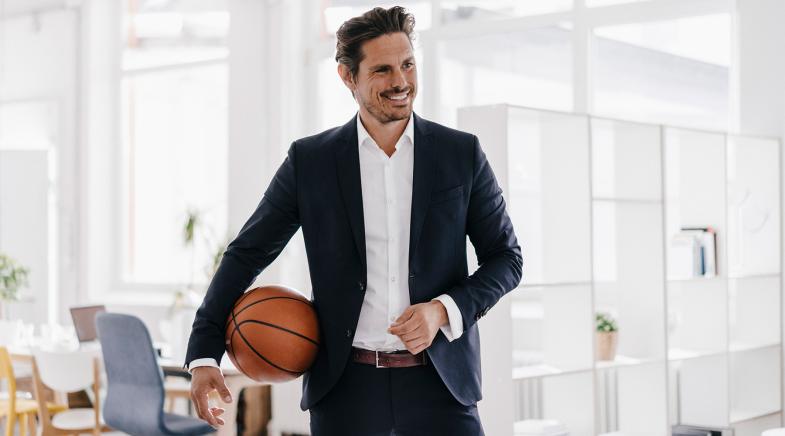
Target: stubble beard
(383, 116)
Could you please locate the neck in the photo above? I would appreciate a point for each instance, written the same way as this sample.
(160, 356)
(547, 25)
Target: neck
(386, 135)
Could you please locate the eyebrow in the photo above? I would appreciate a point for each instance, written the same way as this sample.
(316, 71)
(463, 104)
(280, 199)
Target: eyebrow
(376, 67)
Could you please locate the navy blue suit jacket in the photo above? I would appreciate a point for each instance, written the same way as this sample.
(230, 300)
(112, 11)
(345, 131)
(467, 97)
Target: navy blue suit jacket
(317, 187)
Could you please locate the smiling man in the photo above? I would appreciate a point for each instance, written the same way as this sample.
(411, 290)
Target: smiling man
(385, 203)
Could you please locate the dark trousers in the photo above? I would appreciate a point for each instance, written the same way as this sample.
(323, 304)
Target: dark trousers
(413, 401)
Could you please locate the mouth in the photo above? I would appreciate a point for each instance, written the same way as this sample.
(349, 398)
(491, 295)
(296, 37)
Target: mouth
(398, 99)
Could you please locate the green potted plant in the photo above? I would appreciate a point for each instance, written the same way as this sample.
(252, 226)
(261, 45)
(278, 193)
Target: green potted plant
(176, 327)
(13, 277)
(607, 336)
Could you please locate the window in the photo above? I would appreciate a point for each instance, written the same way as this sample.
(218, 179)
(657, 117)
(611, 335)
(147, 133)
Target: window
(339, 11)
(174, 139)
(471, 10)
(673, 72)
(531, 68)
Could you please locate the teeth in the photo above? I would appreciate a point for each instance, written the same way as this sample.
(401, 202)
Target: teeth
(398, 96)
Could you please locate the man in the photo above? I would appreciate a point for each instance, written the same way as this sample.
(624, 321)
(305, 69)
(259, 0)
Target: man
(385, 203)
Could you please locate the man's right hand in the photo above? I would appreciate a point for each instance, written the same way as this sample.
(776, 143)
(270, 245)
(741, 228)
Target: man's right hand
(205, 380)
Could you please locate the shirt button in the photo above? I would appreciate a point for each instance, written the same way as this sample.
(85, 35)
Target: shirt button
(392, 279)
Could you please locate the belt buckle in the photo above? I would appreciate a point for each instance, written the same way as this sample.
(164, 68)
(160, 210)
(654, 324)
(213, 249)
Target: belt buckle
(377, 359)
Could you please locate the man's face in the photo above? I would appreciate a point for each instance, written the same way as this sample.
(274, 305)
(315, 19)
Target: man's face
(386, 81)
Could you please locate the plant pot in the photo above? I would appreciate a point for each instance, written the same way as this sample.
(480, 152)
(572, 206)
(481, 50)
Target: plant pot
(606, 345)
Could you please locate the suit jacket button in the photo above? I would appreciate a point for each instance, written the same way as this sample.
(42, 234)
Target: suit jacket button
(361, 285)
(349, 333)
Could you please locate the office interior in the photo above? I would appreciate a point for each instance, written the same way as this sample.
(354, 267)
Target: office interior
(638, 144)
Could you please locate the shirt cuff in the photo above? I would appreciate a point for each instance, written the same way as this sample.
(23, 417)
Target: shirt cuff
(206, 361)
(454, 329)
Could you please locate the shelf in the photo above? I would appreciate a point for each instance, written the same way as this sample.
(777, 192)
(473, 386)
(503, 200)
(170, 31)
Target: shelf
(750, 414)
(754, 276)
(677, 354)
(542, 370)
(597, 231)
(740, 347)
(623, 361)
(695, 279)
(628, 200)
(553, 284)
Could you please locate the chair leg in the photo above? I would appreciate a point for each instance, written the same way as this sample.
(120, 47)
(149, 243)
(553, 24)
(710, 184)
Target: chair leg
(22, 425)
(33, 427)
(9, 425)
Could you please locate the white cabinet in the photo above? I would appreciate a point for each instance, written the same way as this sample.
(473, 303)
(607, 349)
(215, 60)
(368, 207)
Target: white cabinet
(599, 207)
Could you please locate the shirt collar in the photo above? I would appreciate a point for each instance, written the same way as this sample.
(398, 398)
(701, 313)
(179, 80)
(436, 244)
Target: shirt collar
(408, 132)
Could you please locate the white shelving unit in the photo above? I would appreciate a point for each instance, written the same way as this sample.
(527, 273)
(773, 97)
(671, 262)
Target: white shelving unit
(595, 204)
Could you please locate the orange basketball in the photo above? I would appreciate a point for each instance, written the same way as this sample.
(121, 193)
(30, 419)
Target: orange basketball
(272, 334)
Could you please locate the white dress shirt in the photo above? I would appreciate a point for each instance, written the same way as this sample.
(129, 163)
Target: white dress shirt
(387, 209)
(387, 204)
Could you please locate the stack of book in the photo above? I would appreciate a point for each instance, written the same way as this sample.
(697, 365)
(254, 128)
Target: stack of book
(694, 253)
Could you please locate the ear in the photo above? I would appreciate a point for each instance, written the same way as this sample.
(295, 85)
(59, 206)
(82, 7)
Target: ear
(346, 77)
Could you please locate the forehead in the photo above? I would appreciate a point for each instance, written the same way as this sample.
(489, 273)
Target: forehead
(386, 49)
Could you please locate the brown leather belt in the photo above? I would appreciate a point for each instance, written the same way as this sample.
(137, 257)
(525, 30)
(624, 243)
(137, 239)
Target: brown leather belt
(389, 359)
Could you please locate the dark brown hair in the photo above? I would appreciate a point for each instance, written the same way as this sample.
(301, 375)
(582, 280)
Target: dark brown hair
(374, 23)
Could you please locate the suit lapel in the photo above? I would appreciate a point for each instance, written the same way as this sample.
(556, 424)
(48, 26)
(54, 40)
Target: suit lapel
(347, 161)
(421, 182)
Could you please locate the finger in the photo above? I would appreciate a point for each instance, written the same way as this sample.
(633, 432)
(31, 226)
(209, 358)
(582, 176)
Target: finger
(417, 342)
(405, 315)
(223, 390)
(413, 336)
(202, 410)
(401, 322)
(408, 327)
(418, 346)
(419, 349)
(216, 412)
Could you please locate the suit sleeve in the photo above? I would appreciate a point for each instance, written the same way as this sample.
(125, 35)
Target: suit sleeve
(257, 245)
(498, 253)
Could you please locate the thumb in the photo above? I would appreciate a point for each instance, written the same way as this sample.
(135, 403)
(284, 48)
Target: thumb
(405, 315)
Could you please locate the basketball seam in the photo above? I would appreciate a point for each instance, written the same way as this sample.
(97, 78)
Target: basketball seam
(273, 298)
(236, 329)
(237, 361)
(256, 321)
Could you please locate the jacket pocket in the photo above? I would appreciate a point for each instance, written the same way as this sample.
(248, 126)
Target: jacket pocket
(446, 194)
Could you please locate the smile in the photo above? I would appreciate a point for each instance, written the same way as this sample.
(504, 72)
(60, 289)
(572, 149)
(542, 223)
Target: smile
(397, 97)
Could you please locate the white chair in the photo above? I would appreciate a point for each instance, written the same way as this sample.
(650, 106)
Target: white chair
(66, 372)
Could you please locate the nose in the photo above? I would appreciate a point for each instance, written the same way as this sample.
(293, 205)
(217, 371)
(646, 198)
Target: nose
(398, 79)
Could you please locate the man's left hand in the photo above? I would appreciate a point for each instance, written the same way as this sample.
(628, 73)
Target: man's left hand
(418, 325)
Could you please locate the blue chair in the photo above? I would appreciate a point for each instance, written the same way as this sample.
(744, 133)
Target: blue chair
(135, 392)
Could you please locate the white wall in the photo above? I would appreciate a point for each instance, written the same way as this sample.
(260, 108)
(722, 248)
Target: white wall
(760, 76)
(38, 62)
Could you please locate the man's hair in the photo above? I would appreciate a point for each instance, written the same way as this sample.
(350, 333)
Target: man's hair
(374, 23)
